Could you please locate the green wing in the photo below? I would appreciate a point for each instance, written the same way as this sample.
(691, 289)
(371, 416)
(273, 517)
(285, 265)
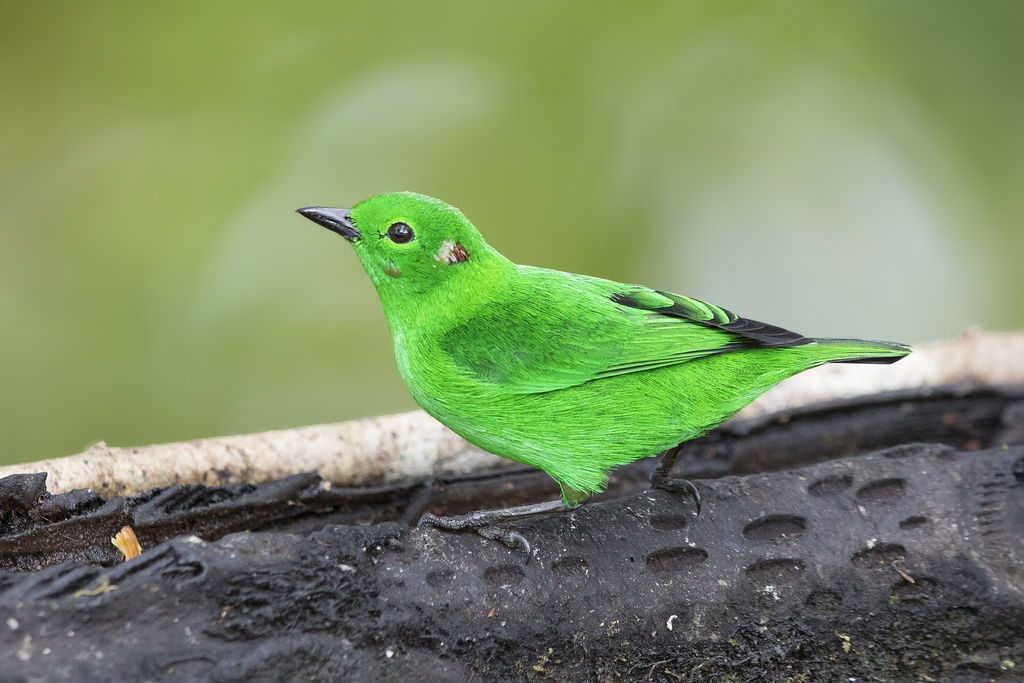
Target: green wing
(553, 330)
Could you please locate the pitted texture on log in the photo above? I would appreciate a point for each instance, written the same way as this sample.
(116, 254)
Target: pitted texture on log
(83, 521)
(759, 585)
(899, 565)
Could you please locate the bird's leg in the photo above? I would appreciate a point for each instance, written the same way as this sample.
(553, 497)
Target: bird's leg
(660, 478)
(483, 522)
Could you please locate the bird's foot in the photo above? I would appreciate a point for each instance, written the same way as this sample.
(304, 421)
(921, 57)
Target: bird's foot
(510, 539)
(679, 486)
(660, 478)
(483, 523)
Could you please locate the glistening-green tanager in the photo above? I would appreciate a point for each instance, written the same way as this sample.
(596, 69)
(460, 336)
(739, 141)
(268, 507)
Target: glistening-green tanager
(572, 374)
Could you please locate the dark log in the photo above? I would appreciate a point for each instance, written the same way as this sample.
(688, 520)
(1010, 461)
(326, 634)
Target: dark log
(901, 564)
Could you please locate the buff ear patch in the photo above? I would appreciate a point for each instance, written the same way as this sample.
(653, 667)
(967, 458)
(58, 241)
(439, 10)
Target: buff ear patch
(451, 253)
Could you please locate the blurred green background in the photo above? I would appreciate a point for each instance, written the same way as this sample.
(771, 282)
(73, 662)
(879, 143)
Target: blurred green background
(839, 168)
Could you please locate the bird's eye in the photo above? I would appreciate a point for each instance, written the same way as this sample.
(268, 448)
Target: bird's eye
(400, 233)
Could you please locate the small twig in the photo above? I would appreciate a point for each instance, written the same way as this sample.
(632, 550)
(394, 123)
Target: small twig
(905, 576)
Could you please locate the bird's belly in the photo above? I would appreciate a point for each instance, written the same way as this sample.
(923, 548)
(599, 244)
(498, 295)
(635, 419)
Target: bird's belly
(608, 421)
(599, 424)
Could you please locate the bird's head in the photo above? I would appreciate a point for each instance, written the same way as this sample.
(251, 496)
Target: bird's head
(408, 243)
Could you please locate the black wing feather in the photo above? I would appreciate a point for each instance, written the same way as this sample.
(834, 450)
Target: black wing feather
(761, 334)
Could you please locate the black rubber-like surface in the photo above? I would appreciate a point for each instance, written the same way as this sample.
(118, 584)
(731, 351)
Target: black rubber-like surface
(793, 574)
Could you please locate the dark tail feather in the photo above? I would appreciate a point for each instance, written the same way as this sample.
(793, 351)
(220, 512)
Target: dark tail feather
(861, 351)
(883, 360)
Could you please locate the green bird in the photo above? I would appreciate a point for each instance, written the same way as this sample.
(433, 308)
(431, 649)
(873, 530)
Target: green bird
(572, 374)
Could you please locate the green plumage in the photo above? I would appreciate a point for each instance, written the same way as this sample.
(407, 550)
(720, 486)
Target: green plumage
(572, 374)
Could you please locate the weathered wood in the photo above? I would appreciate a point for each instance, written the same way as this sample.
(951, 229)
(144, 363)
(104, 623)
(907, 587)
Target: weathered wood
(899, 565)
(410, 446)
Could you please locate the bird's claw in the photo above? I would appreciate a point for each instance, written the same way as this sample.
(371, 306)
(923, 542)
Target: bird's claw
(661, 480)
(450, 523)
(679, 486)
(510, 539)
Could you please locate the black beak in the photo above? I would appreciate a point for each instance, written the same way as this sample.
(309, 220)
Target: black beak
(338, 220)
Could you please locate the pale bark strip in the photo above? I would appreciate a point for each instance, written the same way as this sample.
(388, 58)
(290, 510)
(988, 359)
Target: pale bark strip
(372, 451)
(974, 357)
(411, 446)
